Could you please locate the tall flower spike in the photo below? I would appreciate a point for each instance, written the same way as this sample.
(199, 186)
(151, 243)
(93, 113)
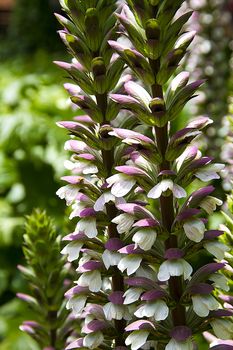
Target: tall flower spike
(94, 245)
(137, 230)
(158, 44)
(48, 277)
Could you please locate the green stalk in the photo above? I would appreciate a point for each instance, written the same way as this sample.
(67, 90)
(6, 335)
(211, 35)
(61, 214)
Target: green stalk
(167, 207)
(117, 278)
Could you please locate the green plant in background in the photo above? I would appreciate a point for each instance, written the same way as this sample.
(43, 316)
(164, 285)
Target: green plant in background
(32, 23)
(141, 216)
(31, 158)
(48, 278)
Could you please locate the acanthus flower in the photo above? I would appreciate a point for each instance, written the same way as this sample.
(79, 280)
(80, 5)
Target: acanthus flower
(137, 228)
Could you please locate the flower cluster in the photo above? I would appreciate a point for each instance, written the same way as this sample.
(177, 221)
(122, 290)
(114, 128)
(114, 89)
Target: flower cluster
(48, 276)
(139, 226)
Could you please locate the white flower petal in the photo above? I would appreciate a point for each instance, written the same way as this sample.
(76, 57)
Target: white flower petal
(209, 172)
(145, 238)
(222, 329)
(72, 249)
(77, 304)
(90, 169)
(92, 280)
(187, 269)
(114, 178)
(163, 274)
(137, 339)
(194, 230)
(93, 340)
(161, 187)
(131, 263)
(121, 188)
(220, 281)
(157, 309)
(178, 191)
(88, 226)
(124, 222)
(161, 310)
(202, 304)
(177, 267)
(110, 258)
(217, 249)
(102, 200)
(68, 192)
(210, 203)
(132, 295)
(114, 312)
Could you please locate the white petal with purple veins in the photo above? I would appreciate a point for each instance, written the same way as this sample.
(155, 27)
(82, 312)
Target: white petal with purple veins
(121, 184)
(120, 189)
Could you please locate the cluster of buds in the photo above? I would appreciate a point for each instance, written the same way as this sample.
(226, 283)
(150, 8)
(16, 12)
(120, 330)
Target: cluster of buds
(47, 275)
(139, 226)
(211, 59)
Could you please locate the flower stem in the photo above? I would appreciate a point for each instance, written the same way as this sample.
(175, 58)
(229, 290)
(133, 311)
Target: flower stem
(52, 318)
(117, 278)
(167, 207)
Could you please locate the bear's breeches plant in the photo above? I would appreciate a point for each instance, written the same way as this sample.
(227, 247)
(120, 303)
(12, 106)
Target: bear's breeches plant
(140, 230)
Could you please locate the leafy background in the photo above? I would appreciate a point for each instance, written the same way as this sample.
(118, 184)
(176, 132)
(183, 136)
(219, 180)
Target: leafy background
(32, 99)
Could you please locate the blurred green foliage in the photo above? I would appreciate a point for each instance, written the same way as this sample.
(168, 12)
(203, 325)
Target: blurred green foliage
(32, 26)
(31, 162)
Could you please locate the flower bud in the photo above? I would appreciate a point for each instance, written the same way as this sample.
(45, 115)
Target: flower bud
(157, 105)
(152, 29)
